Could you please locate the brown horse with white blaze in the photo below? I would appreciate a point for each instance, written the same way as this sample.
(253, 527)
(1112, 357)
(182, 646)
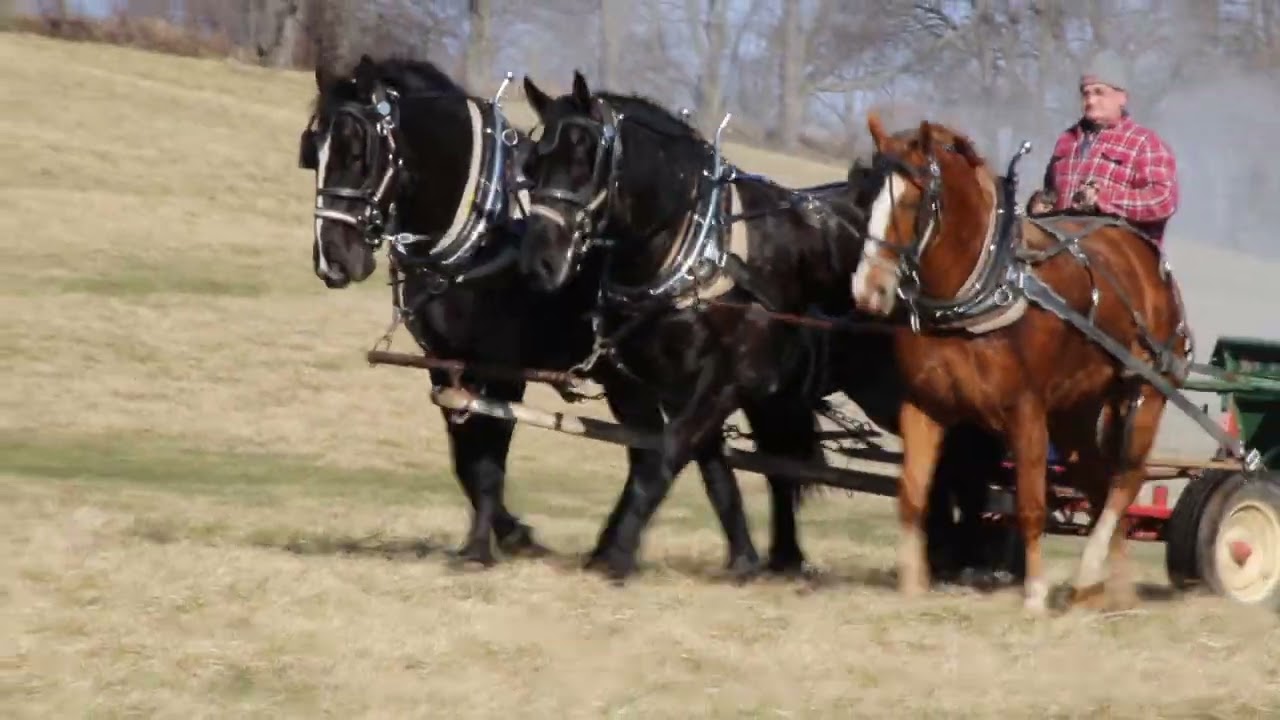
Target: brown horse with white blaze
(1010, 364)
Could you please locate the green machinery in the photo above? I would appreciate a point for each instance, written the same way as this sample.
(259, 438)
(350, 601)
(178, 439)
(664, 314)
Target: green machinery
(1245, 373)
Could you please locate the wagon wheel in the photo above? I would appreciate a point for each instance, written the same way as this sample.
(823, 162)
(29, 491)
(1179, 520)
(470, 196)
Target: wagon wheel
(1188, 535)
(1243, 559)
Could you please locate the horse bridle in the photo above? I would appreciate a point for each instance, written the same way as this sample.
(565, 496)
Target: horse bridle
(379, 120)
(588, 201)
(908, 256)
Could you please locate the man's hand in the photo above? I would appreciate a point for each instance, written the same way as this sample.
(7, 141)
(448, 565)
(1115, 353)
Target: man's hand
(1041, 202)
(1086, 198)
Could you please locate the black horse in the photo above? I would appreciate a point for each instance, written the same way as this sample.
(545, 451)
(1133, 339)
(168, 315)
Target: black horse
(404, 155)
(622, 173)
(695, 250)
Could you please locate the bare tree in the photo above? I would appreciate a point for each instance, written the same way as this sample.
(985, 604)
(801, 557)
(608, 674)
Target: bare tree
(479, 52)
(793, 92)
(615, 16)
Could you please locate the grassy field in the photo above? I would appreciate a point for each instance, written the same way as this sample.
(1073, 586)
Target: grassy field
(214, 508)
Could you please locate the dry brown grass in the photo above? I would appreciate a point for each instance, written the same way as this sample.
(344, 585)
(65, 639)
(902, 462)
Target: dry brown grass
(214, 508)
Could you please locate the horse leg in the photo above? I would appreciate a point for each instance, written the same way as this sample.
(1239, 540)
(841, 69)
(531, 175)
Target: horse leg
(479, 447)
(1132, 435)
(1133, 474)
(633, 410)
(1028, 438)
(962, 550)
(711, 403)
(987, 550)
(784, 426)
(726, 498)
(922, 437)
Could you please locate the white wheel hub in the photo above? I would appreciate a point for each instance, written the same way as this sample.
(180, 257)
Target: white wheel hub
(1247, 551)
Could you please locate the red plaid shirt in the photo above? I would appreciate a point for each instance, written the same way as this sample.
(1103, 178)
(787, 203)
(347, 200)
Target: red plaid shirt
(1133, 169)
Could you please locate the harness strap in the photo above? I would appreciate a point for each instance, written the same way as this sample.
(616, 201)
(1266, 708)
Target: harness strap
(1070, 242)
(1044, 296)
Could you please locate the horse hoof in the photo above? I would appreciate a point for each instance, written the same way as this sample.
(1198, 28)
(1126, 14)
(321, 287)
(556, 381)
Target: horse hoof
(743, 569)
(1034, 608)
(787, 565)
(594, 564)
(911, 588)
(472, 556)
(612, 564)
(534, 550)
(620, 568)
(1092, 597)
(520, 543)
(977, 579)
(1035, 601)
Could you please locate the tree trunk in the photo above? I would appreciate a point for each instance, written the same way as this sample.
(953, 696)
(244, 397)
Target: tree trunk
(710, 88)
(1270, 50)
(1052, 51)
(478, 52)
(1098, 25)
(985, 30)
(792, 94)
(614, 21)
(287, 36)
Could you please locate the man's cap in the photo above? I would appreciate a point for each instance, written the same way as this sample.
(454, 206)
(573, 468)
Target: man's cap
(1108, 68)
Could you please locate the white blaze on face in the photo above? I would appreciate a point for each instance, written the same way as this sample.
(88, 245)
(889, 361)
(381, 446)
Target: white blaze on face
(877, 228)
(322, 170)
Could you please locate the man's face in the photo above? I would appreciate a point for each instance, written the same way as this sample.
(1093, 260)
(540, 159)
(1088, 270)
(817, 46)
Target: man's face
(1102, 103)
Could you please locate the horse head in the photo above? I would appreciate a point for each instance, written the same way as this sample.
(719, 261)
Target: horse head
(389, 144)
(933, 190)
(586, 185)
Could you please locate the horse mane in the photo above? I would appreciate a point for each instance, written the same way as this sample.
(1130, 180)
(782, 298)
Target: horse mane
(407, 75)
(417, 76)
(651, 114)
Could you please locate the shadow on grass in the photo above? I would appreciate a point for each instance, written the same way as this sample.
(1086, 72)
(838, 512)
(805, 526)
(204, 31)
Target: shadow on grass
(374, 545)
(161, 463)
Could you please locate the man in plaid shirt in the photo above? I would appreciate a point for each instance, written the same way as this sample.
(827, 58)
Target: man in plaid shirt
(1108, 163)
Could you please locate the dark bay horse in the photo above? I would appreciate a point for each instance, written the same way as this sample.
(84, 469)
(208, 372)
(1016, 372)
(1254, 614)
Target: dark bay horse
(404, 156)
(944, 237)
(692, 257)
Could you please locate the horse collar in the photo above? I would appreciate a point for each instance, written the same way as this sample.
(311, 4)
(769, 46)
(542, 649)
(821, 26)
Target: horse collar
(485, 196)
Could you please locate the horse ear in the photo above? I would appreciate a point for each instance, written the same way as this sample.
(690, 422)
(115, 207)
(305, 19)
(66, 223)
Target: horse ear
(366, 76)
(926, 136)
(538, 100)
(876, 127)
(581, 93)
(964, 146)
